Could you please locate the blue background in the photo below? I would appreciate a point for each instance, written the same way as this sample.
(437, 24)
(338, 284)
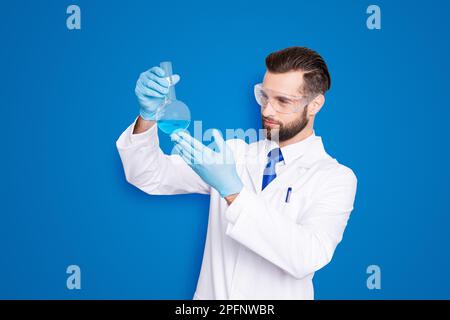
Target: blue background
(67, 95)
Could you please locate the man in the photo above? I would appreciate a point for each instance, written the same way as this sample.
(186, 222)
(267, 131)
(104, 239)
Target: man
(279, 206)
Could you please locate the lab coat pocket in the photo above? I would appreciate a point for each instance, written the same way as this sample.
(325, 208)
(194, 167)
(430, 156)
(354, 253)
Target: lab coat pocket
(293, 204)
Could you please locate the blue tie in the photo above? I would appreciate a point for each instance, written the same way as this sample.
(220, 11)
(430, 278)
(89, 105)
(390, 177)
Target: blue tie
(274, 157)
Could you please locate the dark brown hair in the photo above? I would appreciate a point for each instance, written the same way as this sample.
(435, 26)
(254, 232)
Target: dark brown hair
(316, 76)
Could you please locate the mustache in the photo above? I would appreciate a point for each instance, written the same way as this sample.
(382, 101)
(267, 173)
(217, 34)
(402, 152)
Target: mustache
(271, 120)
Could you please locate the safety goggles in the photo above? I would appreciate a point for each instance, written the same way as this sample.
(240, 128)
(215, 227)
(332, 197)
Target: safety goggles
(280, 102)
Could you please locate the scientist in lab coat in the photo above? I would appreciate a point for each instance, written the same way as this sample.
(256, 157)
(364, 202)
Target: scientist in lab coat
(278, 206)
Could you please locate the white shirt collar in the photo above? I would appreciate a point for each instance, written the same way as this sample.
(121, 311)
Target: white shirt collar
(295, 150)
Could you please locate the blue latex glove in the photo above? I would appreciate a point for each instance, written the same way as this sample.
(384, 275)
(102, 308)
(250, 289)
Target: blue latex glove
(151, 90)
(218, 169)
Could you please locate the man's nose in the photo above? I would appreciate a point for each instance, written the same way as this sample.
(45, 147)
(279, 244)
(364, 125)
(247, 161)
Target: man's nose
(268, 110)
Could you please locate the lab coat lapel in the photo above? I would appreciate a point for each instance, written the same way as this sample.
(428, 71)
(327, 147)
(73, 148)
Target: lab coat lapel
(286, 179)
(255, 163)
(255, 169)
(312, 160)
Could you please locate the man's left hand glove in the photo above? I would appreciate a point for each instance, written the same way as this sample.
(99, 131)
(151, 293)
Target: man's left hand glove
(218, 169)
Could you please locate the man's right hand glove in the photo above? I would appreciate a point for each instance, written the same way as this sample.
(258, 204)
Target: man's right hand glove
(151, 90)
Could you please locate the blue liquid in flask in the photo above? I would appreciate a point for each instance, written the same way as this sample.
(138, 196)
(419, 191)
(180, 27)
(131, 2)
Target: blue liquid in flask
(173, 115)
(169, 126)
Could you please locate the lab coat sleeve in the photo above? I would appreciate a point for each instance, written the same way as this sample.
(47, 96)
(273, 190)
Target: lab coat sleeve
(152, 171)
(298, 247)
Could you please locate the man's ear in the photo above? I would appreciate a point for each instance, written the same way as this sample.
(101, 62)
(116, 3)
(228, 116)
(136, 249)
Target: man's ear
(315, 105)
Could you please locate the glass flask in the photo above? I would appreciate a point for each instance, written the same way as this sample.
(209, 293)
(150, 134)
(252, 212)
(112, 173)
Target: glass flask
(173, 114)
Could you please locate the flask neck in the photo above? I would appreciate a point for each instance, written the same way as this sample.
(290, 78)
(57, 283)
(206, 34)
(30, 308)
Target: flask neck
(167, 67)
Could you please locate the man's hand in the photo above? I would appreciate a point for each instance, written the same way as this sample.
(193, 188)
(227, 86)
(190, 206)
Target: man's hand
(218, 169)
(151, 90)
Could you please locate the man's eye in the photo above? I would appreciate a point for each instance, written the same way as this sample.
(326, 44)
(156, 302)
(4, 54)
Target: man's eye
(284, 100)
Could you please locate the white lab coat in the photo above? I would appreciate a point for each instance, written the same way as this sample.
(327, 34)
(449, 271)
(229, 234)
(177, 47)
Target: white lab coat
(259, 247)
